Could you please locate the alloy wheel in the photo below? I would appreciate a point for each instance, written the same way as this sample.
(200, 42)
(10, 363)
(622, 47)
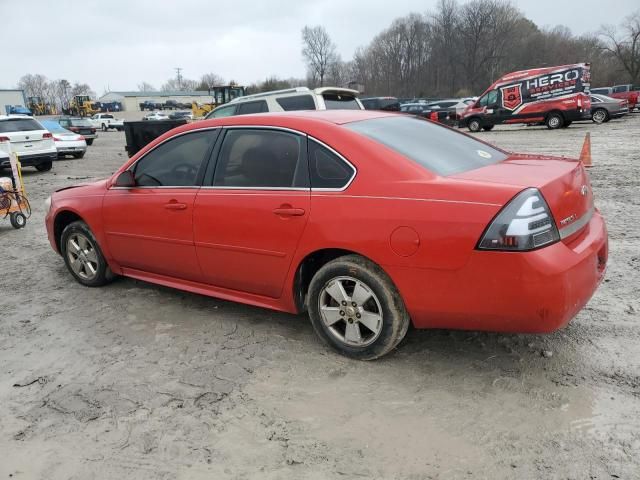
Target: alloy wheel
(350, 311)
(82, 256)
(599, 116)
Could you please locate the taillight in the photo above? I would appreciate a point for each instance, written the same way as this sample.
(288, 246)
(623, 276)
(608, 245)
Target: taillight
(81, 137)
(4, 139)
(525, 223)
(47, 135)
(73, 129)
(57, 139)
(93, 130)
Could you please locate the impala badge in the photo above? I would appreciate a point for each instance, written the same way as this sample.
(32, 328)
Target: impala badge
(568, 220)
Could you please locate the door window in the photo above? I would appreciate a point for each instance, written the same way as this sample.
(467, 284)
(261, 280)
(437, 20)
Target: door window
(489, 100)
(252, 107)
(223, 112)
(327, 170)
(175, 163)
(262, 159)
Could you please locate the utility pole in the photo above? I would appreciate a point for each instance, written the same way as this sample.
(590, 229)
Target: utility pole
(179, 77)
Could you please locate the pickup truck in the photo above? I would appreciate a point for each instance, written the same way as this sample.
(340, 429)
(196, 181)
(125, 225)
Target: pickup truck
(150, 105)
(630, 93)
(105, 121)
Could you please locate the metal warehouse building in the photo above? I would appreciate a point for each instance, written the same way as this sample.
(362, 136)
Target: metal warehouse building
(131, 100)
(11, 97)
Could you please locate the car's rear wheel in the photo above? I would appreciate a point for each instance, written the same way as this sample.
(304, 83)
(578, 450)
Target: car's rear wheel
(83, 256)
(554, 120)
(356, 309)
(599, 115)
(474, 125)
(89, 141)
(45, 166)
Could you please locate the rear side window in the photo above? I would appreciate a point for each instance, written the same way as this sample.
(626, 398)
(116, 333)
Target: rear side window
(19, 125)
(621, 89)
(176, 162)
(600, 91)
(441, 150)
(298, 102)
(335, 101)
(253, 158)
(252, 107)
(327, 170)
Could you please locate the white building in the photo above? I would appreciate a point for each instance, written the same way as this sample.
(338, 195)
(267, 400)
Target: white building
(131, 100)
(11, 97)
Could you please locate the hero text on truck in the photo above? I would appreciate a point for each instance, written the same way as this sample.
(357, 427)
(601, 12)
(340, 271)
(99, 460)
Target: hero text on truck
(555, 96)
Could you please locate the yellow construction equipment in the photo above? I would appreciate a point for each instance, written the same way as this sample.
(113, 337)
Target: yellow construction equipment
(36, 105)
(83, 106)
(220, 96)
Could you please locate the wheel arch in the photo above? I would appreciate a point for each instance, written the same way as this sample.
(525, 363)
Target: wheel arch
(309, 266)
(60, 222)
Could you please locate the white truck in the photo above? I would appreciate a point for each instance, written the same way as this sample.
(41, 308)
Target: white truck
(105, 121)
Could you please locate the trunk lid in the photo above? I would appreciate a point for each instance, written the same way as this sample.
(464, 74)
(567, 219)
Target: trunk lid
(564, 183)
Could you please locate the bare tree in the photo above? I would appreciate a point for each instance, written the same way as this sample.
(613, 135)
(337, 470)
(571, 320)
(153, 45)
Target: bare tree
(81, 89)
(210, 80)
(146, 87)
(173, 85)
(625, 48)
(318, 51)
(34, 85)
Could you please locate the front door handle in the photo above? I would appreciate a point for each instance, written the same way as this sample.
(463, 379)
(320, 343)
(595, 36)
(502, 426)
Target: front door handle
(289, 211)
(175, 206)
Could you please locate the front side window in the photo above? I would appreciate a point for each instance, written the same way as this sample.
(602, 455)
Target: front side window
(297, 102)
(441, 150)
(262, 159)
(339, 101)
(252, 107)
(176, 162)
(326, 169)
(223, 112)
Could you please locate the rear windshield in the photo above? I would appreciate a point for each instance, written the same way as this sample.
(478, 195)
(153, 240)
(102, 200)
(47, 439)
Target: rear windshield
(78, 122)
(339, 101)
(439, 149)
(19, 125)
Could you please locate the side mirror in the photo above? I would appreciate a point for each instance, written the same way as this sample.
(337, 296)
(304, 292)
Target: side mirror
(125, 179)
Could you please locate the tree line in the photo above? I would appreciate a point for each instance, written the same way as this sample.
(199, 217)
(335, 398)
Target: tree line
(460, 49)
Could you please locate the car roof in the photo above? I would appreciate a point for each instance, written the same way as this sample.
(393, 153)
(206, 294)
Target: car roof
(294, 90)
(8, 117)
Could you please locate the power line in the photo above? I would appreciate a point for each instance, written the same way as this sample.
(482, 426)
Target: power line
(179, 77)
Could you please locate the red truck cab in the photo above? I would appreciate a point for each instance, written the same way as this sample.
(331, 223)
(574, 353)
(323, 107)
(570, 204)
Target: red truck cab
(555, 96)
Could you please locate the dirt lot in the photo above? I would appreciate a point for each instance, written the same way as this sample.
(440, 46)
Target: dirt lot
(141, 382)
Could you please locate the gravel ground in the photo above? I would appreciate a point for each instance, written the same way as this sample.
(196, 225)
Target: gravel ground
(138, 381)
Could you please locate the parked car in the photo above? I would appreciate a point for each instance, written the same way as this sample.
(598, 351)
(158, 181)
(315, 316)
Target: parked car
(301, 98)
(156, 116)
(389, 104)
(150, 105)
(187, 115)
(105, 121)
(368, 220)
(447, 110)
(413, 108)
(17, 110)
(171, 105)
(79, 125)
(66, 141)
(605, 108)
(555, 96)
(26, 137)
(628, 92)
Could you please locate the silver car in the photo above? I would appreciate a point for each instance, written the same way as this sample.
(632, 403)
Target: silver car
(605, 108)
(66, 142)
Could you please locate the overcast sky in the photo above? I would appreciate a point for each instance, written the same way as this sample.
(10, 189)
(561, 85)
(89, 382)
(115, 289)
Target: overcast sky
(116, 44)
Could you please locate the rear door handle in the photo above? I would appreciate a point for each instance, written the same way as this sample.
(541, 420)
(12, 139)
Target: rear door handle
(175, 206)
(289, 211)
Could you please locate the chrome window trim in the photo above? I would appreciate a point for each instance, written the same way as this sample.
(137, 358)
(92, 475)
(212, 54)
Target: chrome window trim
(153, 149)
(577, 225)
(341, 157)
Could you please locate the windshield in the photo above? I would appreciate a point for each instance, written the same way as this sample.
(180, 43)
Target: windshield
(19, 125)
(439, 149)
(339, 101)
(79, 122)
(54, 127)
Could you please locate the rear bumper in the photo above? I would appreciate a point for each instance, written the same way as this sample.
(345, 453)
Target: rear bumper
(531, 292)
(31, 160)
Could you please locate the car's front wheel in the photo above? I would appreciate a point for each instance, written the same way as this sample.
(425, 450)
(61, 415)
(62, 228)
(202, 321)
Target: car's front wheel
(83, 256)
(356, 309)
(474, 125)
(45, 166)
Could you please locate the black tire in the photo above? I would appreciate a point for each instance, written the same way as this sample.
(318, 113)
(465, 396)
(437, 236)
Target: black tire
(394, 316)
(554, 121)
(78, 155)
(119, 129)
(104, 127)
(474, 124)
(18, 220)
(600, 115)
(103, 274)
(488, 128)
(89, 141)
(44, 167)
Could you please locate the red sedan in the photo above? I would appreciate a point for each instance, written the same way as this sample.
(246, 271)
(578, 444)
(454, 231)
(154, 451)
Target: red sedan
(368, 220)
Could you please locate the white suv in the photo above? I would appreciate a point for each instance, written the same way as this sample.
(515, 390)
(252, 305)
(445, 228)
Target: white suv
(29, 140)
(300, 98)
